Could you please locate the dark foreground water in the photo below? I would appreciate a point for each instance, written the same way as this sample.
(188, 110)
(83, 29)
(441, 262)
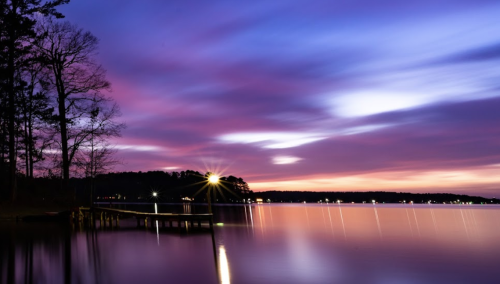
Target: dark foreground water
(297, 243)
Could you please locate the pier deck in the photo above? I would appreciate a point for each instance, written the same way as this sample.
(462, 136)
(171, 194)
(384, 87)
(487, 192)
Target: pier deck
(108, 216)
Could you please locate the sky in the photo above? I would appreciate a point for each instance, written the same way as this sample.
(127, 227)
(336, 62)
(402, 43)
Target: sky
(356, 95)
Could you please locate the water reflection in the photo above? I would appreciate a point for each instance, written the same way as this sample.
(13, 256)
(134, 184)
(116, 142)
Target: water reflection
(224, 266)
(342, 219)
(383, 238)
(330, 218)
(298, 243)
(50, 253)
(186, 208)
(416, 221)
(157, 227)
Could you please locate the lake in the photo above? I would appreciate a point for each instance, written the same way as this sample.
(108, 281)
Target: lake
(266, 243)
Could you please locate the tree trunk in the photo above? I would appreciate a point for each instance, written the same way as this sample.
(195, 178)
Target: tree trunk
(11, 107)
(64, 140)
(61, 99)
(27, 142)
(30, 147)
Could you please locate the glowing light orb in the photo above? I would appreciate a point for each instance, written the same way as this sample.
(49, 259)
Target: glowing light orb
(155, 194)
(213, 179)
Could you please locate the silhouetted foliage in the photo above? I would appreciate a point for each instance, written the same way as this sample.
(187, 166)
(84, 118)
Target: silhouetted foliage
(171, 187)
(17, 35)
(52, 111)
(77, 80)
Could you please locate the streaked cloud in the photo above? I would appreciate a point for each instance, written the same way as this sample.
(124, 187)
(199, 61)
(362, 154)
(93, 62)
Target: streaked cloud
(140, 148)
(283, 160)
(353, 88)
(371, 102)
(364, 128)
(273, 140)
(170, 168)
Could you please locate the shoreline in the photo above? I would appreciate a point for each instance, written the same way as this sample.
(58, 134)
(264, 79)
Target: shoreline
(16, 211)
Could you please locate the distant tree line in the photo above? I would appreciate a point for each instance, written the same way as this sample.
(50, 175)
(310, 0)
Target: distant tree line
(138, 187)
(369, 197)
(55, 119)
(168, 186)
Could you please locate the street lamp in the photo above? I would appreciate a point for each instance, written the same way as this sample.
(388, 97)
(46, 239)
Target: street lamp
(212, 180)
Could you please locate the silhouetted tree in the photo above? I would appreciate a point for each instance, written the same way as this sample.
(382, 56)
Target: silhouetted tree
(238, 185)
(17, 18)
(35, 113)
(76, 78)
(96, 155)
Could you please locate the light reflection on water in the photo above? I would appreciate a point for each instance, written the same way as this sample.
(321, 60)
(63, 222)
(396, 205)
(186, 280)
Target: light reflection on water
(225, 278)
(268, 243)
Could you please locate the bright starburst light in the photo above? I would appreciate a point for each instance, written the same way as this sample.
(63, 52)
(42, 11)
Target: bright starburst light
(155, 193)
(214, 182)
(213, 179)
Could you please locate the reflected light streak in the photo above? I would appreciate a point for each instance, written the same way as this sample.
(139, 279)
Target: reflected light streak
(261, 224)
(271, 215)
(416, 221)
(246, 217)
(434, 220)
(251, 215)
(342, 219)
(157, 228)
(224, 266)
(474, 227)
(330, 217)
(157, 233)
(307, 216)
(473, 217)
(409, 222)
(187, 208)
(465, 225)
(378, 222)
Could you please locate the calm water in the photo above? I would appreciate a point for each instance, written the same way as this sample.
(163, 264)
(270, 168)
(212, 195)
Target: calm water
(296, 243)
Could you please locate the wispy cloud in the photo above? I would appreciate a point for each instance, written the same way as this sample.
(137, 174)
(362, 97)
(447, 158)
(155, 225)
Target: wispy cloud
(281, 89)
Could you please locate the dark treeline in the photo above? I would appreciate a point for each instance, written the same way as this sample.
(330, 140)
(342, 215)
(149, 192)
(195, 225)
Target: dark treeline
(135, 187)
(174, 186)
(368, 197)
(55, 118)
(170, 187)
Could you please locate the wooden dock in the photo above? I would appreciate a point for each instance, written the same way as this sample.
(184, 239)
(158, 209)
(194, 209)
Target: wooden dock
(111, 217)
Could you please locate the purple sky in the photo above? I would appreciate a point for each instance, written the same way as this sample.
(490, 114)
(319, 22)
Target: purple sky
(307, 95)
